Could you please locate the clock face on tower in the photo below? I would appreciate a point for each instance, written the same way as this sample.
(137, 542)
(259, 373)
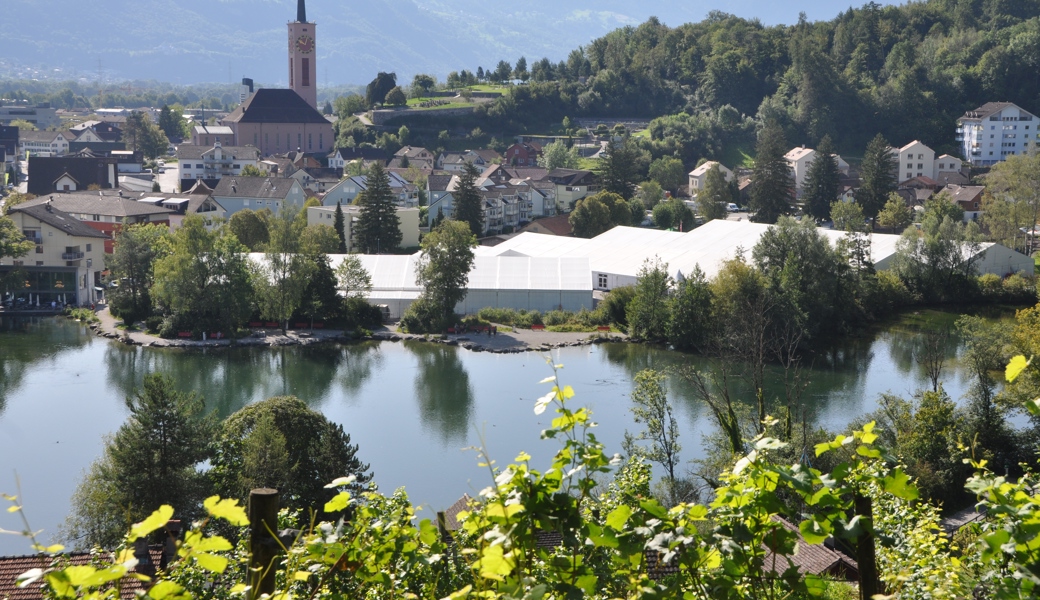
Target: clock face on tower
(305, 44)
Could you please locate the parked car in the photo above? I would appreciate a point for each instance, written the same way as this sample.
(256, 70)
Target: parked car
(732, 208)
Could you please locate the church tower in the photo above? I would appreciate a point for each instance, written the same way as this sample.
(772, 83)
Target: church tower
(303, 69)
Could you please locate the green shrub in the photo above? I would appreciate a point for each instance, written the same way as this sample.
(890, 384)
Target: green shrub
(615, 304)
(556, 317)
(82, 314)
(153, 323)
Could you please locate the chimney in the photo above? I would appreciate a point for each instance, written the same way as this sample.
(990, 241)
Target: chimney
(173, 533)
(145, 566)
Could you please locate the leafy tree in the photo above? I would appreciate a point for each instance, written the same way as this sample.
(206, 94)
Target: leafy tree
(691, 313)
(14, 199)
(651, 408)
(395, 97)
(502, 71)
(339, 224)
(286, 270)
(896, 214)
(320, 239)
(648, 312)
(308, 452)
(620, 211)
(23, 125)
(378, 228)
(352, 277)
(822, 182)
(712, 200)
(520, 71)
(878, 171)
(557, 155)
(141, 134)
(669, 172)
(321, 298)
(650, 194)
(251, 228)
(379, 87)
(136, 249)
(154, 458)
(12, 241)
(673, 214)
(931, 262)
(469, 201)
(351, 104)
(848, 216)
(253, 171)
(171, 122)
(422, 84)
(443, 272)
(1015, 187)
(590, 217)
(773, 186)
(618, 170)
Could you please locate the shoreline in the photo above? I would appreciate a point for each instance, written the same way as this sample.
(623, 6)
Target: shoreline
(512, 342)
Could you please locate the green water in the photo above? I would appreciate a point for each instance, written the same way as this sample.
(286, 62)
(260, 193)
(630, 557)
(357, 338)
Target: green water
(411, 407)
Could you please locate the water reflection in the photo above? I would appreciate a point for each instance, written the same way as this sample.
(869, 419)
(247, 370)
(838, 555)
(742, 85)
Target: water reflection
(443, 390)
(32, 339)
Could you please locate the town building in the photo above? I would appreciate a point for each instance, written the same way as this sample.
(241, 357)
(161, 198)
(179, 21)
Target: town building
(969, 198)
(339, 157)
(211, 164)
(572, 185)
(41, 115)
(277, 121)
(303, 57)
(799, 159)
(698, 176)
(523, 154)
(211, 135)
(914, 160)
(66, 264)
(237, 193)
(71, 173)
(105, 212)
(44, 143)
(406, 193)
(413, 157)
(455, 162)
(326, 215)
(994, 131)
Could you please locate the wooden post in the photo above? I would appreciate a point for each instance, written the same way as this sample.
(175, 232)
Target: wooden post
(869, 582)
(263, 520)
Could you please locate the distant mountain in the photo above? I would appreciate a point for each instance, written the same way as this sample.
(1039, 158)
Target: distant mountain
(190, 41)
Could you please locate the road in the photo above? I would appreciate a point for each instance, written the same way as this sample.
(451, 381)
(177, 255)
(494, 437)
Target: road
(169, 182)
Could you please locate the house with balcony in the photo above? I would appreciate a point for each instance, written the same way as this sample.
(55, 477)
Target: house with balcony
(211, 164)
(572, 185)
(346, 191)
(994, 131)
(235, 193)
(105, 212)
(66, 264)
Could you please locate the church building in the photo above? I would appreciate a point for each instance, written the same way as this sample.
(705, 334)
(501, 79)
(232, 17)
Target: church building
(279, 120)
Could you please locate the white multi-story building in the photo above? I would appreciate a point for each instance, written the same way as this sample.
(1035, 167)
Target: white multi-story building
(914, 160)
(799, 160)
(44, 143)
(699, 176)
(210, 164)
(994, 131)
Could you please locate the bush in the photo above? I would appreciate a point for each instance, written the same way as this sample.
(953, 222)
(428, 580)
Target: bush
(82, 314)
(357, 312)
(556, 317)
(153, 323)
(510, 316)
(615, 304)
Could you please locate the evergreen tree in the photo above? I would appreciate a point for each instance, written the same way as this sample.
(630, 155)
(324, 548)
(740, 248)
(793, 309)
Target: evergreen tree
(648, 312)
(340, 227)
(468, 200)
(378, 228)
(896, 214)
(712, 200)
(821, 182)
(691, 321)
(773, 184)
(617, 170)
(879, 176)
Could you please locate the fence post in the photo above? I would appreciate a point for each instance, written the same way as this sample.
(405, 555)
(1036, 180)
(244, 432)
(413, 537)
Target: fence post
(263, 522)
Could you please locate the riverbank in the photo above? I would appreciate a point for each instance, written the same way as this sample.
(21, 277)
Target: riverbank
(503, 342)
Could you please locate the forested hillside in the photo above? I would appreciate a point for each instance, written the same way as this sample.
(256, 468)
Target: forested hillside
(905, 71)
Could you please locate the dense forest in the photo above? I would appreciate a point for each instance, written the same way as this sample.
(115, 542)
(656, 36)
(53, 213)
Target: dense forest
(905, 71)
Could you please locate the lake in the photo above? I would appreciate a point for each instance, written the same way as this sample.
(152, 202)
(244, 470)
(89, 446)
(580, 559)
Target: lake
(412, 407)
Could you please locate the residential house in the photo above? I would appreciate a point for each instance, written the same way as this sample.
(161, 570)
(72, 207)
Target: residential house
(211, 135)
(106, 212)
(699, 175)
(572, 185)
(412, 156)
(994, 131)
(237, 193)
(67, 262)
(279, 120)
(97, 131)
(799, 159)
(211, 164)
(914, 160)
(317, 180)
(406, 193)
(969, 198)
(558, 225)
(339, 157)
(44, 143)
(523, 154)
(71, 173)
(455, 162)
(326, 215)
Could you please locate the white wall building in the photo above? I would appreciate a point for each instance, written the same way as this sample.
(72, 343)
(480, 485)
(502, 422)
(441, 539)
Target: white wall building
(799, 160)
(699, 176)
(914, 160)
(994, 131)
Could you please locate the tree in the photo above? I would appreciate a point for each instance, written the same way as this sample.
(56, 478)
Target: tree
(650, 194)
(520, 71)
(395, 97)
(352, 277)
(422, 84)
(716, 195)
(669, 172)
(171, 122)
(1016, 181)
(618, 170)
(339, 224)
(379, 87)
(14, 199)
(378, 228)
(141, 134)
(136, 249)
(286, 269)
(23, 125)
(651, 408)
(468, 200)
(590, 217)
(253, 171)
(351, 104)
(306, 451)
(251, 228)
(443, 272)
(822, 182)
(772, 184)
(896, 214)
(847, 216)
(556, 155)
(319, 239)
(691, 313)
(321, 298)
(13, 243)
(878, 171)
(502, 71)
(154, 458)
(648, 311)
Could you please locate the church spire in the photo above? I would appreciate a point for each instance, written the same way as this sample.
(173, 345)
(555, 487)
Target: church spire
(301, 12)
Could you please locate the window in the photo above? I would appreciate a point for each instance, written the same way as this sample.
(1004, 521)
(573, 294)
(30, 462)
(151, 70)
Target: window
(920, 157)
(198, 166)
(310, 141)
(88, 247)
(909, 165)
(909, 175)
(920, 165)
(602, 280)
(238, 166)
(305, 77)
(97, 217)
